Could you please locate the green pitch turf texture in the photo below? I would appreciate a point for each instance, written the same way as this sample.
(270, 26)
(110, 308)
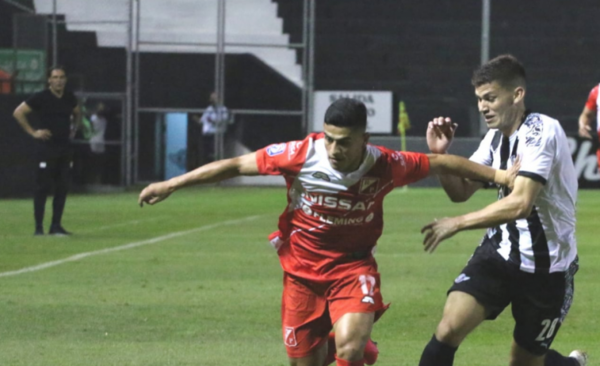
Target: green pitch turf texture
(212, 296)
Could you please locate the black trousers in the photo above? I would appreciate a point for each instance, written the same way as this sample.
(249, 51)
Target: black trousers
(52, 172)
(208, 149)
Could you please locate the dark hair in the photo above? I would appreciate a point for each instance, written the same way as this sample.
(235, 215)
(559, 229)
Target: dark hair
(57, 67)
(506, 70)
(346, 112)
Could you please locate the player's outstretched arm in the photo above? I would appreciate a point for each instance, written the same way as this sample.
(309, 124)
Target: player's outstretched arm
(464, 168)
(209, 173)
(515, 206)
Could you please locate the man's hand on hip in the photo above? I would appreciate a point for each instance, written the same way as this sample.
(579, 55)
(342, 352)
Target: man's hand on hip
(42, 134)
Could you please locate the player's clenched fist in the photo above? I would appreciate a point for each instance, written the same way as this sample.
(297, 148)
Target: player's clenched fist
(154, 193)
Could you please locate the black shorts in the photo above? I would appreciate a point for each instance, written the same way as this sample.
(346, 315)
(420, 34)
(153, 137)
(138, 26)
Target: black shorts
(540, 301)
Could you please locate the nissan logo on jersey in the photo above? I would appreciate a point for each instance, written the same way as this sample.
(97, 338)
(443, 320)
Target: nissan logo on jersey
(342, 204)
(312, 205)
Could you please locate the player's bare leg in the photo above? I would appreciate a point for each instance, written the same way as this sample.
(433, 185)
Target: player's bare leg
(315, 359)
(352, 332)
(521, 357)
(462, 314)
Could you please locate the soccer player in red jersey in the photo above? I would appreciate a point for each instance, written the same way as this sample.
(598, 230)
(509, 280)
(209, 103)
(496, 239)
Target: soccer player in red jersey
(336, 182)
(588, 115)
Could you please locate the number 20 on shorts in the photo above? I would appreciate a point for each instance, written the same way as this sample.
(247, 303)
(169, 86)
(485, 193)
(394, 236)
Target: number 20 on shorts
(548, 330)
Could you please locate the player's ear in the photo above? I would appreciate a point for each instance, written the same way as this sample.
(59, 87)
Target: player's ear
(366, 137)
(519, 94)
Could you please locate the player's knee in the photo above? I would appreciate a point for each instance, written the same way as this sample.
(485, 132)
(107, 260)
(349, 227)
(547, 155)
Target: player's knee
(351, 352)
(449, 332)
(351, 348)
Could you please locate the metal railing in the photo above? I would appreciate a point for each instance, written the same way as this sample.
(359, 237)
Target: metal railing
(307, 45)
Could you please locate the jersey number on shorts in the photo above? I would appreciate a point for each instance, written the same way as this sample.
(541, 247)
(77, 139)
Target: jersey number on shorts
(548, 331)
(367, 283)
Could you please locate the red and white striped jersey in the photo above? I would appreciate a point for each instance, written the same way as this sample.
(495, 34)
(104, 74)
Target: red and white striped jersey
(333, 219)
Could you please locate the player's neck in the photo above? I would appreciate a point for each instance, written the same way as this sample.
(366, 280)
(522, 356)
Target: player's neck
(519, 118)
(356, 165)
(57, 93)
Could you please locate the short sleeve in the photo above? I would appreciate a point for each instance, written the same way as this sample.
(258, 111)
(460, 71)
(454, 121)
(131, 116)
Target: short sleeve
(282, 159)
(538, 149)
(408, 167)
(592, 100)
(483, 154)
(35, 102)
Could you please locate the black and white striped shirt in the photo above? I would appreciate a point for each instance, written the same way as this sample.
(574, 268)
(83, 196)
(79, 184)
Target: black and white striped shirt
(545, 241)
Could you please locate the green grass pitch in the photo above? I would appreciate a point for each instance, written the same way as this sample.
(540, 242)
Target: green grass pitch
(209, 294)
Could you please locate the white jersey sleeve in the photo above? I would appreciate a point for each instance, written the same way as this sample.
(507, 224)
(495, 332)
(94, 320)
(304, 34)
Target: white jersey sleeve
(484, 153)
(538, 149)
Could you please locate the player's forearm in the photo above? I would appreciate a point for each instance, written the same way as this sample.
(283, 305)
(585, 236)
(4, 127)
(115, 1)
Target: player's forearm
(77, 120)
(24, 123)
(464, 168)
(210, 173)
(584, 121)
(500, 212)
(457, 189)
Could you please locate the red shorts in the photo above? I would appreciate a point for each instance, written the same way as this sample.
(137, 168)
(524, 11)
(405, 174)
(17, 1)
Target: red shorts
(309, 309)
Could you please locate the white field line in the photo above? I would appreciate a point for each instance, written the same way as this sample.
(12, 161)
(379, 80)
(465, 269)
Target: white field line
(136, 244)
(126, 223)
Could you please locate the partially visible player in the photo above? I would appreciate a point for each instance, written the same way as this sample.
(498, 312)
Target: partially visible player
(336, 182)
(528, 258)
(590, 114)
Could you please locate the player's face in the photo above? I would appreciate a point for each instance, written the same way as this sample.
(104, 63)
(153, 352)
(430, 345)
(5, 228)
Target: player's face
(499, 105)
(345, 147)
(57, 80)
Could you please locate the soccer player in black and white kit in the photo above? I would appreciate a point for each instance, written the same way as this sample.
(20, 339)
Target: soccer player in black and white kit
(528, 257)
(59, 114)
